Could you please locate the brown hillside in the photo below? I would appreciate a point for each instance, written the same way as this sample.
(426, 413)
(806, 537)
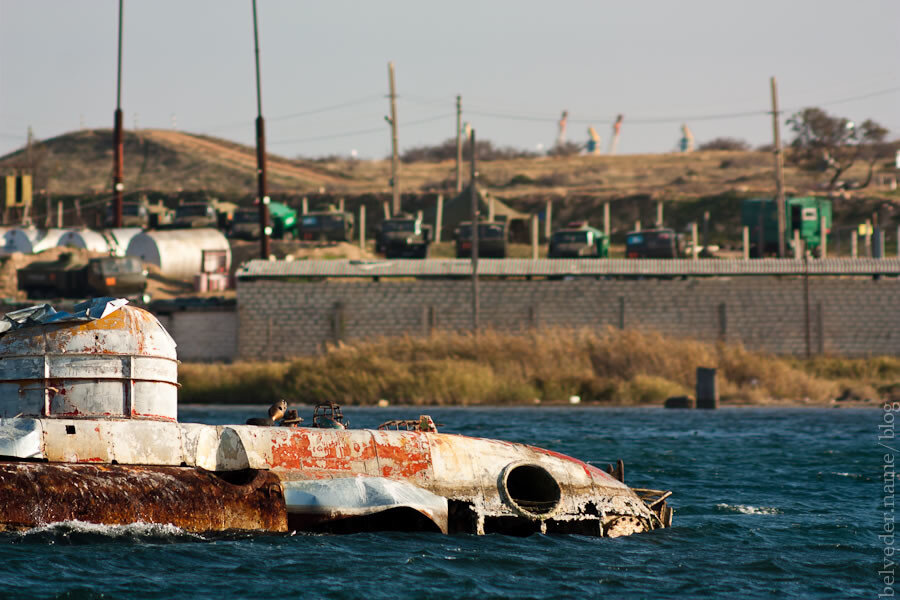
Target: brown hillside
(171, 161)
(161, 160)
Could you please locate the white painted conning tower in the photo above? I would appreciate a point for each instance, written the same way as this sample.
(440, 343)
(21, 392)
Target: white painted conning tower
(123, 365)
(178, 252)
(84, 238)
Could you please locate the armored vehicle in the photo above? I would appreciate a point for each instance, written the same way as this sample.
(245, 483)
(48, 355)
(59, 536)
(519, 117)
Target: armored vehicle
(578, 240)
(213, 213)
(492, 239)
(329, 225)
(134, 214)
(403, 236)
(71, 277)
(282, 220)
(652, 243)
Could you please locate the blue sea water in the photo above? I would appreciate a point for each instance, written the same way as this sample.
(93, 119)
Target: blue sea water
(769, 503)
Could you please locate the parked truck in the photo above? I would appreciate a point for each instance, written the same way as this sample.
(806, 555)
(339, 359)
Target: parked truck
(653, 243)
(141, 214)
(578, 240)
(72, 277)
(326, 225)
(403, 236)
(282, 221)
(212, 213)
(492, 239)
(803, 214)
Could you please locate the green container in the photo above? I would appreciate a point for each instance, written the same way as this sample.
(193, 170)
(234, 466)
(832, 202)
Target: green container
(803, 214)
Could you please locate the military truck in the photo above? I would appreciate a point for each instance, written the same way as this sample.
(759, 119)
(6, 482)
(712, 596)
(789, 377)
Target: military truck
(403, 236)
(72, 277)
(141, 214)
(578, 240)
(213, 213)
(492, 239)
(803, 214)
(134, 214)
(282, 221)
(653, 243)
(326, 225)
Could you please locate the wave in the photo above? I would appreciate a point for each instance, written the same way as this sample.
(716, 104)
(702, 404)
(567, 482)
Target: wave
(129, 532)
(746, 509)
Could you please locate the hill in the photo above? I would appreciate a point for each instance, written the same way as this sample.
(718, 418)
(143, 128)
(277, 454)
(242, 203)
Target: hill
(172, 161)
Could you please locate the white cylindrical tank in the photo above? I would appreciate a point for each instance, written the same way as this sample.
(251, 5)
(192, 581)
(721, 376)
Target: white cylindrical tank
(84, 238)
(122, 365)
(119, 238)
(31, 240)
(180, 253)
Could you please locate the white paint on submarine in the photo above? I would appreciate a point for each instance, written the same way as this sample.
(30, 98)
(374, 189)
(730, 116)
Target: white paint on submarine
(99, 387)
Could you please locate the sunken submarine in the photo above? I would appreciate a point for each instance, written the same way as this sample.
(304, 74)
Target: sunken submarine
(89, 432)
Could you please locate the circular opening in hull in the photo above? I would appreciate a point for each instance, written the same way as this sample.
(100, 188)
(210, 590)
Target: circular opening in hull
(531, 489)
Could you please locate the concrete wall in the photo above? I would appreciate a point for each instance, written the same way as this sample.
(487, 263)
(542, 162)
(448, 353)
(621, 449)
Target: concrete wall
(854, 317)
(203, 335)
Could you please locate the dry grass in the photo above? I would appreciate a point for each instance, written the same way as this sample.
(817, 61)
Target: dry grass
(611, 366)
(165, 160)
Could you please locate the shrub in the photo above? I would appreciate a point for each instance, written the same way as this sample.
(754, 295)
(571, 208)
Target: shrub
(725, 143)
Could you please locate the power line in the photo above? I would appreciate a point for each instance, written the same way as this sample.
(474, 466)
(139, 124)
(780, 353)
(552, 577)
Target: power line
(862, 96)
(675, 119)
(306, 113)
(360, 131)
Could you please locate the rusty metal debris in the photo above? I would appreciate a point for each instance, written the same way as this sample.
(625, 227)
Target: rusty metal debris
(423, 423)
(89, 431)
(328, 415)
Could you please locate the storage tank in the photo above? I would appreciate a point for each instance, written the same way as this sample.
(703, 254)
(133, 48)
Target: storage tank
(31, 240)
(84, 238)
(121, 365)
(181, 253)
(118, 238)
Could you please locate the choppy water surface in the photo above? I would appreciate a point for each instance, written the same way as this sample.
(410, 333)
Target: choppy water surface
(768, 503)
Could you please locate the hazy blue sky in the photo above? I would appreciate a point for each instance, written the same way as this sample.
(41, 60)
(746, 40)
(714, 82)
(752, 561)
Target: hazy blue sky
(673, 60)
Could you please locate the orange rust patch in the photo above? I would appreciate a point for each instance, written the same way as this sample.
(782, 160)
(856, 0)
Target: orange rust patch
(320, 450)
(403, 460)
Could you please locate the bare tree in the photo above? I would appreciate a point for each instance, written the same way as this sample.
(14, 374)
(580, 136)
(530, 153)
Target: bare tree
(834, 144)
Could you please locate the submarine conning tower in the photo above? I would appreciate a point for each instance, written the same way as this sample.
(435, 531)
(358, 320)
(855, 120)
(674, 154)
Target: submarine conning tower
(108, 361)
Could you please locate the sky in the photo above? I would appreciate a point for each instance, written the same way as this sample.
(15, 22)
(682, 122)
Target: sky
(189, 65)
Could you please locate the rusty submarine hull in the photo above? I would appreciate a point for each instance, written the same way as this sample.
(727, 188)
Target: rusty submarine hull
(89, 432)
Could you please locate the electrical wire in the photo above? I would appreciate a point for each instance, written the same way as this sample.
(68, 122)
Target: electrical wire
(360, 131)
(306, 113)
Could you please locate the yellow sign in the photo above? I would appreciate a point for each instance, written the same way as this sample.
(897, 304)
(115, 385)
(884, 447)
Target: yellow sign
(865, 229)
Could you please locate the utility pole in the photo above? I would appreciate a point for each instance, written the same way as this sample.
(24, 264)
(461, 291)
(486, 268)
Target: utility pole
(475, 219)
(458, 144)
(262, 192)
(118, 148)
(779, 170)
(395, 184)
